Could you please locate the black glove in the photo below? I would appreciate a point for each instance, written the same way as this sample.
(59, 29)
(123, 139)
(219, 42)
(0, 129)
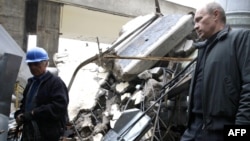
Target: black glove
(27, 116)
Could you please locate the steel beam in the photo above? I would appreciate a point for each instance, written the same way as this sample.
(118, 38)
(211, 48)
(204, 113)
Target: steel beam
(128, 8)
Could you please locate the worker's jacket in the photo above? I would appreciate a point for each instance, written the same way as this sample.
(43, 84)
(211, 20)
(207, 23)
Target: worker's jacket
(51, 101)
(226, 79)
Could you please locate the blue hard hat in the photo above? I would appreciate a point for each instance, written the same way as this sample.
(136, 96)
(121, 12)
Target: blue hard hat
(36, 54)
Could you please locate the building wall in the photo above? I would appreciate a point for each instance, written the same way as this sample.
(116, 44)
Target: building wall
(12, 18)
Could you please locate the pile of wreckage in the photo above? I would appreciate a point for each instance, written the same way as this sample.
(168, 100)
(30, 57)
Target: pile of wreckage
(144, 94)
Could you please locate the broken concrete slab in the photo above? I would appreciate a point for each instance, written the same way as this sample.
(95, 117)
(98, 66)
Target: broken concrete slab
(158, 39)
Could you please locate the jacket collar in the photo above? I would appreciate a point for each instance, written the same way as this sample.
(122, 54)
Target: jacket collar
(219, 36)
(45, 76)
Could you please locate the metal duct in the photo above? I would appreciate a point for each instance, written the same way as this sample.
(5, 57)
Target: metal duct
(237, 12)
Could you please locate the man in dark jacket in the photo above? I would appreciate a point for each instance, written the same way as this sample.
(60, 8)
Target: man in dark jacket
(220, 87)
(43, 110)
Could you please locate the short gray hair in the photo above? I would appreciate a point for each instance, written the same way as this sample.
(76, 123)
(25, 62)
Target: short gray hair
(210, 7)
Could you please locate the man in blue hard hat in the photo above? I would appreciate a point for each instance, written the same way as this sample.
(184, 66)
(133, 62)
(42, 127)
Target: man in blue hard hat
(43, 109)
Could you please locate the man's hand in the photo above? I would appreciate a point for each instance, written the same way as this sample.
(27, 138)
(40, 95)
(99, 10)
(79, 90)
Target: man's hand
(24, 117)
(19, 119)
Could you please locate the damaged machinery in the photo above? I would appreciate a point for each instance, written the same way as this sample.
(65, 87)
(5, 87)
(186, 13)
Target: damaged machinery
(153, 62)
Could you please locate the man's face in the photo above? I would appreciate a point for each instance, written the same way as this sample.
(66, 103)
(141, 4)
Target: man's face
(37, 68)
(204, 23)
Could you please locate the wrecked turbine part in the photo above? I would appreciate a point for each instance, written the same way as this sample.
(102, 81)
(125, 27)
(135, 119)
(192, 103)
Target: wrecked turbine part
(158, 39)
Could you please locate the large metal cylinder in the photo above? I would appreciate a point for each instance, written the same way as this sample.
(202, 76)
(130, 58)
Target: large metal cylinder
(237, 12)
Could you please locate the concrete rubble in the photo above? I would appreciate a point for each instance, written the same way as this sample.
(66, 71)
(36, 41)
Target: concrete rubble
(156, 88)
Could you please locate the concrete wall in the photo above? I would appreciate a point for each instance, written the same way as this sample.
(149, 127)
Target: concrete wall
(12, 18)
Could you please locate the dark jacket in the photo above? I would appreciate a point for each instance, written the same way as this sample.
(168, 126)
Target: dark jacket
(226, 79)
(50, 112)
